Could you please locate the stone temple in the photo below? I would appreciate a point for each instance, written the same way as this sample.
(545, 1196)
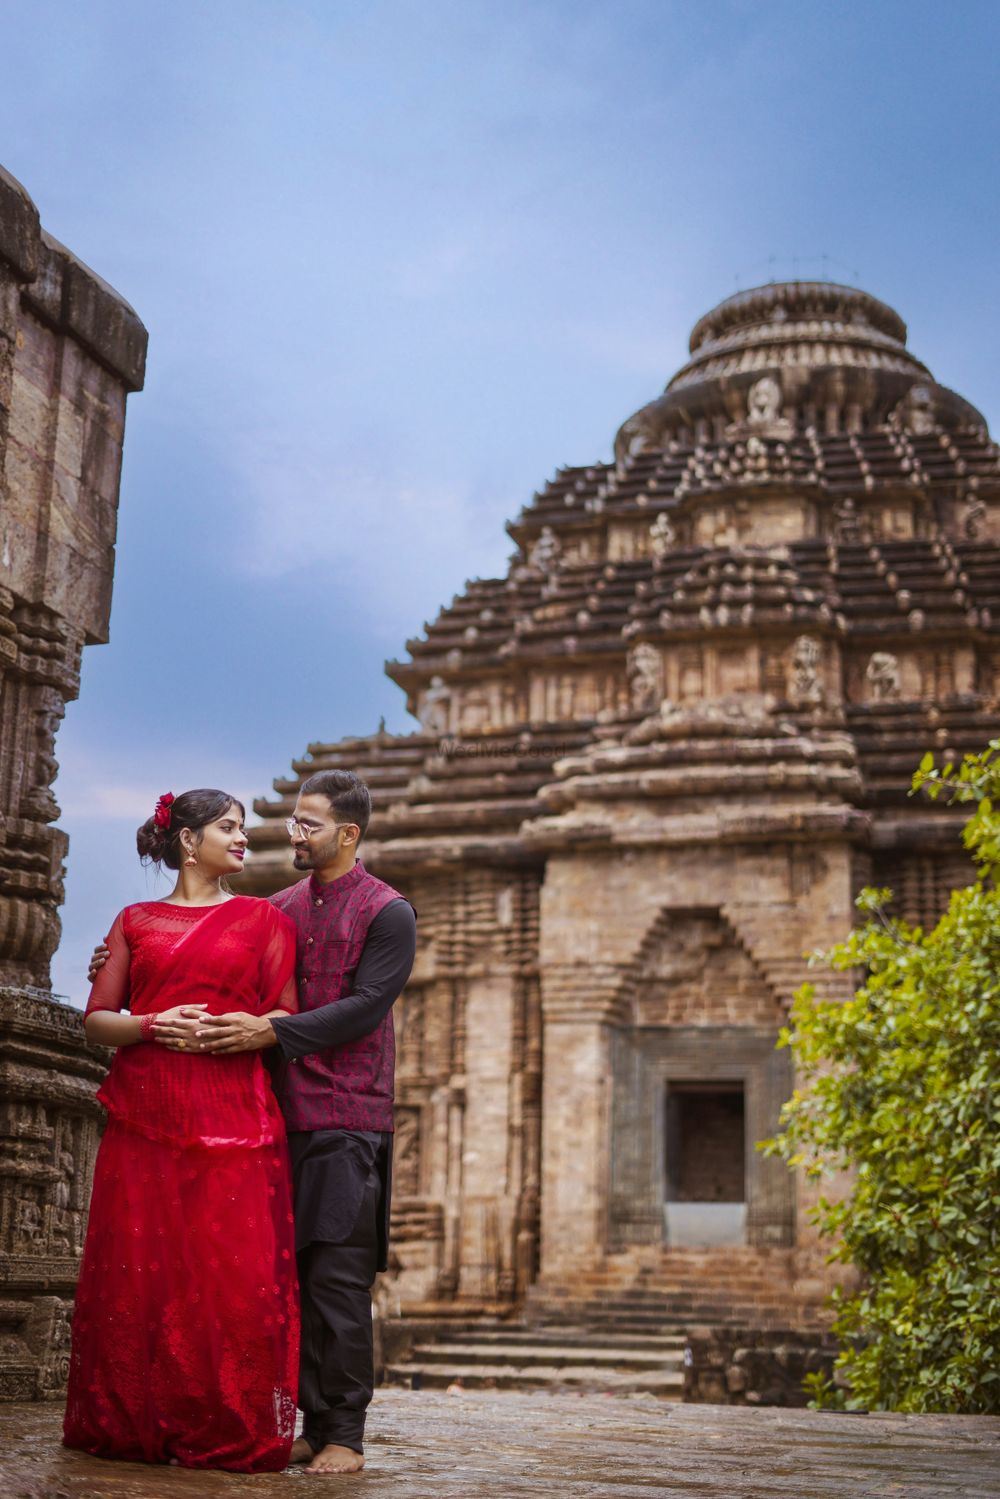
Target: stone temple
(655, 764)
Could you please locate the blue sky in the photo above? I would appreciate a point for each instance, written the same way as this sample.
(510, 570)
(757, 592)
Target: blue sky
(398, 262)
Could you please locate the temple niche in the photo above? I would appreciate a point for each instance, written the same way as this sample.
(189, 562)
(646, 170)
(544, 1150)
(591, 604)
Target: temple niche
(70, 351)
(655, 763)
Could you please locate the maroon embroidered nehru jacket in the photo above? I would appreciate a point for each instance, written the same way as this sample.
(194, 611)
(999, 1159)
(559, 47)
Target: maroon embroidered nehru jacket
(348, 1086)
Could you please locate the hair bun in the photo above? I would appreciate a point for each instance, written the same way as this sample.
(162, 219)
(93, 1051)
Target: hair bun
(150, 841)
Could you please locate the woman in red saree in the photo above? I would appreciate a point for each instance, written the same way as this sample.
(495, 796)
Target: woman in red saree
(185, 1332)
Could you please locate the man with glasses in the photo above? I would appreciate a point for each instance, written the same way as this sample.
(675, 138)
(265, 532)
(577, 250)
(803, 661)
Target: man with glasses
(333, 1076)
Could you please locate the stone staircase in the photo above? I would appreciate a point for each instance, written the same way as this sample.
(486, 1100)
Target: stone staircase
(620, 1329)
(518, 1357)
(732, 1287)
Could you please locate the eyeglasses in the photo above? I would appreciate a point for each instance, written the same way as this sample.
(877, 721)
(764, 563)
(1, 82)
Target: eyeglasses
(310, 829)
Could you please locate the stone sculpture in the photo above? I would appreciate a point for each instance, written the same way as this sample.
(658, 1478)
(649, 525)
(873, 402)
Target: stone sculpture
(662, 536)
(435, 707)
(882, 676)
(644, 677)
(807, 688)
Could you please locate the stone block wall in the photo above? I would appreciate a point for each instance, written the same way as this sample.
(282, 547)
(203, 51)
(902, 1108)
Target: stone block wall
(748, 1366)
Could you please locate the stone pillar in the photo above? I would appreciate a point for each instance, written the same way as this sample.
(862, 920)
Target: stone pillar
(70, 351)
(579, 1009)
(487, 1209)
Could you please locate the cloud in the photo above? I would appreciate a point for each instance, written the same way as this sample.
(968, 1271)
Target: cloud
(92, 790)
(395, 544)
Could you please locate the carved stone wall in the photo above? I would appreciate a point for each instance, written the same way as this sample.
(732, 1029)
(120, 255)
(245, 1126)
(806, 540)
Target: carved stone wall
(49, 1130)
(466, 1165)
(70, 351)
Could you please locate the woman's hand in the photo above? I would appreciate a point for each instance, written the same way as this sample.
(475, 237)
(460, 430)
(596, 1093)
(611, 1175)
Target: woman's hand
(175, 1029)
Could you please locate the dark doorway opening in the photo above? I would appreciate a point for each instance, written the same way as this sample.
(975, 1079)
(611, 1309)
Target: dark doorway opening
(705, 1163)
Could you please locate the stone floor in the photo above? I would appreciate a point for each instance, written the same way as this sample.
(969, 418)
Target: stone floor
(430, 1445)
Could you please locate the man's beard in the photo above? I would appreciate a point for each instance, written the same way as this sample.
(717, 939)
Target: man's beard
(312, 857)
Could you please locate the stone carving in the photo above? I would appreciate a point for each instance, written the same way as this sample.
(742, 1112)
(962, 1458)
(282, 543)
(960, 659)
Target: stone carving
(846, 522)
(29, 1231)
(915, 412)
(545, 552)
(434, 711)
(764, 402)
(882, 676)
(974, 519)
(67, 1225)
(644, 672)
(49, 1124)
(735, 716)
(807, 688)
(406, 1153)
(411, 1029)
(54, 1370)
(474, 713)
(763, 418)
(662, 536)
(634, 436)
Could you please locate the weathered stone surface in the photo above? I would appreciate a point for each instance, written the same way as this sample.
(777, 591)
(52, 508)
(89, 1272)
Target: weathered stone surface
(433, 1446)
(732, 1366)
(656, 762)
(70, 349)
(20, 230)
(49, 1130)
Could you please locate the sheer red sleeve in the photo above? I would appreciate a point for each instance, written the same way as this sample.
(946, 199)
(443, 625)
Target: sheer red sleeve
(277, 965)
(111, 987)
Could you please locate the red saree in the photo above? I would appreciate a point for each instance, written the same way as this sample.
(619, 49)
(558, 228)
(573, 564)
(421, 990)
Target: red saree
(185, 1332)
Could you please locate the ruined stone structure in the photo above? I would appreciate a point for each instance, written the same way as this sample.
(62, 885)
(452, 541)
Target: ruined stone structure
(70, 350)
(656, 762)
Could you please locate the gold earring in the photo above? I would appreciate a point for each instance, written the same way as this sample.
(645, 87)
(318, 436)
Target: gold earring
(190, 861)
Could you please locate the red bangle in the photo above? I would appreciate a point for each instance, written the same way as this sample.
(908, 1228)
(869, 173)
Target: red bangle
(146, 1024)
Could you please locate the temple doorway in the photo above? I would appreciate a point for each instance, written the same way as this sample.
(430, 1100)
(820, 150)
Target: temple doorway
(689, 1104)
(704, 1155)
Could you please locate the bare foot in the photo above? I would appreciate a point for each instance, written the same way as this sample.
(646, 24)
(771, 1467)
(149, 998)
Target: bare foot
(301, 1451)
(334, 1459)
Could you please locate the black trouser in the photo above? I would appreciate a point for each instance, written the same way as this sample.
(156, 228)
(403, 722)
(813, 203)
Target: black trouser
(337, 1365)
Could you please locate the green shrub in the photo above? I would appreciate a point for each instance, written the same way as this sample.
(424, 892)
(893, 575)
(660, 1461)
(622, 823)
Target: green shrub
(901, 1085)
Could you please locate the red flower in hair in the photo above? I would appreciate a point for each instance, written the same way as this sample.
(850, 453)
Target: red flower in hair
(162, 814)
